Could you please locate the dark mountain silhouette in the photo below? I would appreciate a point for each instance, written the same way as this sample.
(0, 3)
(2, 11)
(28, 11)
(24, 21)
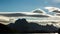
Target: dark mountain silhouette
(40, 28)
(4, 29)
(59, 31)
(21, 25)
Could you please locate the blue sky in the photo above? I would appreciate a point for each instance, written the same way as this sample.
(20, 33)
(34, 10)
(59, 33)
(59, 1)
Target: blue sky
(26, 5)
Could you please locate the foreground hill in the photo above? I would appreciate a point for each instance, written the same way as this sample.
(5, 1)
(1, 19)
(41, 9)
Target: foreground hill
(22, 26)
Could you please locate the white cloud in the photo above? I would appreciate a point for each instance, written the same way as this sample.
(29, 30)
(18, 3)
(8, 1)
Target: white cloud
(52, 8)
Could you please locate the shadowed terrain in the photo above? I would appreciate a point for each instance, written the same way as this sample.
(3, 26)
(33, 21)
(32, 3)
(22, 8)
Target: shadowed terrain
(22, 26)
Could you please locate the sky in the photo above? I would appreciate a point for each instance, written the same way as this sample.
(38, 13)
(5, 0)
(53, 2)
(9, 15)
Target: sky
(26, 5)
